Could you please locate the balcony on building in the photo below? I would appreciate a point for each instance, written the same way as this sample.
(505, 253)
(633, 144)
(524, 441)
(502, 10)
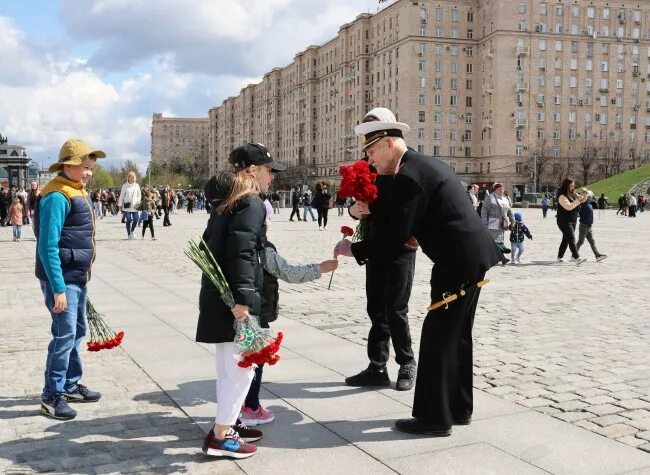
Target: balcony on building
(488, 52)
(520, 122)
(488, 87)
(486, 123)
(521, 86)
(522, 49)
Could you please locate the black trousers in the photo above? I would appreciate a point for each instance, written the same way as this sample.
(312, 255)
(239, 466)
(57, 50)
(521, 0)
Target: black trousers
(148, 224)
(253, 396)
(568, 229)
(296, 211)
(388, 289)
(443, 388)
(166, 219)
(322, 216)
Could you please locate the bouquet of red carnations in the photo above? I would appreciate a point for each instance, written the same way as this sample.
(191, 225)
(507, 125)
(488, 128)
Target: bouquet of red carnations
(256, 344)
(102, 337)
(358, 182)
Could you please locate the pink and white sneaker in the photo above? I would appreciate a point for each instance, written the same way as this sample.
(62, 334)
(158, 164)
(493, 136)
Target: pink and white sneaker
(251, 418)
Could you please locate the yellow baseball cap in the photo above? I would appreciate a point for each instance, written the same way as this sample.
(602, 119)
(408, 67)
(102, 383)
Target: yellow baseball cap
(73, 152)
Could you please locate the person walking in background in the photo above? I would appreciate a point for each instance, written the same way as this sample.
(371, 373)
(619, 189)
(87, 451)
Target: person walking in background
(496, 215)
(632, 206)
(32, 194)
(167, 201)
(517, 235)
(275, 202)
(5, 202)
(567, 218)
(602, 205)
(585, 226)
(296, 199)
(307, 205)
(621, 205)
(97, 206)
(340, 204)
(23, 198)
(147, 208)
(643, 201)
(544, 205)
(130, 197)
(16, 214)
(322, 204)
(471, 193)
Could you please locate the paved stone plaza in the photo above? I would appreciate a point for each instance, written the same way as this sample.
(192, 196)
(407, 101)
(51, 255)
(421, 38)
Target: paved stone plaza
(562, 364)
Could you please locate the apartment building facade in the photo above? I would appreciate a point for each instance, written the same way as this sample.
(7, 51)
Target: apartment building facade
(175, 138)
(488, 86)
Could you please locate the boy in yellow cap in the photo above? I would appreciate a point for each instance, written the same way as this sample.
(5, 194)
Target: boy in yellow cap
(64, 225)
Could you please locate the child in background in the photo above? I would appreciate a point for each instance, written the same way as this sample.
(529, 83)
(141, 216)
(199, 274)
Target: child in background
(16, 212)
(517, 235)
(275, 267)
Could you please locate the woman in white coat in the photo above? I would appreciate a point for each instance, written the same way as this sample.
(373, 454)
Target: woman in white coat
(130, 198)
(497, 216)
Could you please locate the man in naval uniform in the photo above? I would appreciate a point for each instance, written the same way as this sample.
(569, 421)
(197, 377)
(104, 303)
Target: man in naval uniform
(430, 205)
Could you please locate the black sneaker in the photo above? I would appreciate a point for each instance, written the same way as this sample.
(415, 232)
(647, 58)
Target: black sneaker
(247, 434)
(82, 394)
(371, 376)
(406, 376)
(413, 426)
(56, 407)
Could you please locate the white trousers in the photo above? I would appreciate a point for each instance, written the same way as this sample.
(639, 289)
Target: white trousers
(232, 384)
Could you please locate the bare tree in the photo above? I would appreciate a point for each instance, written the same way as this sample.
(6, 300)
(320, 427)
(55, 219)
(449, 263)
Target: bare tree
(587, 158)
(540, 163)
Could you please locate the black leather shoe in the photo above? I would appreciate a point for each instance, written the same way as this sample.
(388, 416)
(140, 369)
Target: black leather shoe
(406, 376)
(371, 376)
(413, 426)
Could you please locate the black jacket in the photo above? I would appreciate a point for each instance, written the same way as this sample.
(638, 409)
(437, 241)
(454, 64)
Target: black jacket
(235, 240)
(295, 198)
(430, 203)
(321, 200)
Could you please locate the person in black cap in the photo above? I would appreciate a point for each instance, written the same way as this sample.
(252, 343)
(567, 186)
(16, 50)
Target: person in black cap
(389, 280)
(235, 235)
(430, 206)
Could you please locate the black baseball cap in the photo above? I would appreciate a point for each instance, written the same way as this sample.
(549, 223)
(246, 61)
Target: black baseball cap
(253, 154)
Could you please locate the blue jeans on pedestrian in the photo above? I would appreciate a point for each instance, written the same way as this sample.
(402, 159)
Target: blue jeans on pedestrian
(17, 231)
(131, 221)
(63, 365)
(306, 208)
(517, 246)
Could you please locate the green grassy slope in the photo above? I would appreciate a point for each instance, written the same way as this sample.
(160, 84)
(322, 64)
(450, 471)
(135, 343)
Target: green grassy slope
(614, 186)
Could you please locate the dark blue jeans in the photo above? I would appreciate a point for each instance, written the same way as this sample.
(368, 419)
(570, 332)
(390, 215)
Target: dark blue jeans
(63, 365)
(131, 221)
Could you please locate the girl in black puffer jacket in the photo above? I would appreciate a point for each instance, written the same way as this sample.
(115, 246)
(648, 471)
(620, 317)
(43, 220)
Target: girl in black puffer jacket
(234, 234)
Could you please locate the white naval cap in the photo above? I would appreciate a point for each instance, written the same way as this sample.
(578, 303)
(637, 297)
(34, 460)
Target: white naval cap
(378, 123)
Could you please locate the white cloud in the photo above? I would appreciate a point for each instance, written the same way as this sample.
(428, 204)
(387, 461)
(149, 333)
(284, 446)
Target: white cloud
(179, 57)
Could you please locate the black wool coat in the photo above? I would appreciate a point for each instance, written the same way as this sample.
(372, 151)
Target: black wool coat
(429, 202)
(235, 240)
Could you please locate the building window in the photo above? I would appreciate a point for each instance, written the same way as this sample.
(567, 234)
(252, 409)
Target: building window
(437, 134)
(438, 14)
(437, 100)
(436, 150)
(468, 84)
(518, 150)
(420, 134)
(420, 148)
(421, 99)
(454, 84)
(522, 8)
(454, 33)
(470, 17)
(423, 81)
(558, 46)
(453, 101)
(542, 9)
(439, 33)
(590, 12)
(454, 15)
(453, 50)
(437, 49)
(469, 68)
(452, 152)
(421, 65)
(453, 135)
(437, 117)
(468, 118)
(542, 45)
(470, 35)
(468, 101)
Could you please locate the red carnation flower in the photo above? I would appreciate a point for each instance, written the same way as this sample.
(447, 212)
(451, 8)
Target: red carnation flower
(347, 231)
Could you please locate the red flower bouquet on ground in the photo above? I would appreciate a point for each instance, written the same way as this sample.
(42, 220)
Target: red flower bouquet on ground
(102, 337)
(359, 183)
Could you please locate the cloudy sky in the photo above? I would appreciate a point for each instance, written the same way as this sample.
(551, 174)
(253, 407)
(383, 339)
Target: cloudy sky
(98, 69)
